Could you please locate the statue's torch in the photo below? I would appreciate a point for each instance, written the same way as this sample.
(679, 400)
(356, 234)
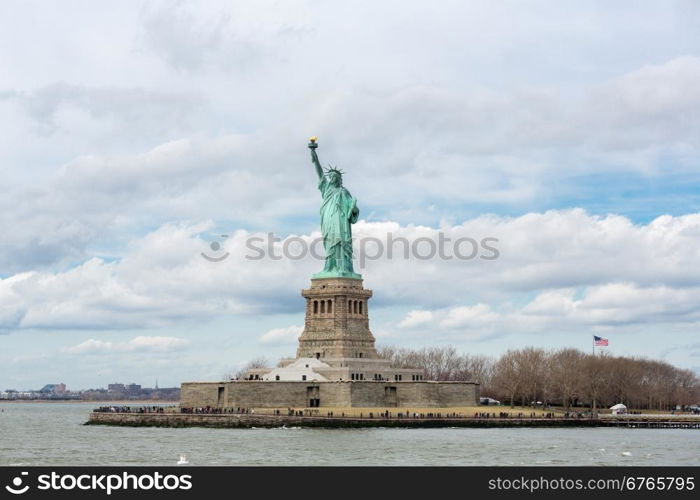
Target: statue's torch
(313, 144)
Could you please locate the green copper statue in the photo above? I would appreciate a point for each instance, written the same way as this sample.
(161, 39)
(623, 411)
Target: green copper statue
(338, 212)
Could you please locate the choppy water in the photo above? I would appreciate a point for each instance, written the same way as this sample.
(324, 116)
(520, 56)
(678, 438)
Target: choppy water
(53, 434)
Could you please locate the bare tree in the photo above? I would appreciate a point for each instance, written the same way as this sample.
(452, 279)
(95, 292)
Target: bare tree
(476, 368)
(565, 368)
(507, 375)
(533, 365)
(566, 376)
(595, 378)
(260, 362)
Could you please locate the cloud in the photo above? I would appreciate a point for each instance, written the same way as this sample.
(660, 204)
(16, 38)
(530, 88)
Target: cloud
(171, 31)
(137, 344)
(416, 318)
(618, 307)
(468, 316)
(192, 39)
(158, 344)
(618, 304)
(454, 324)
(655, 91)
(282, 336)
(90, 345)
(564, 264)
(48, 224)
(53, 108)
(472, 322)
(145, 157)
(137, 133)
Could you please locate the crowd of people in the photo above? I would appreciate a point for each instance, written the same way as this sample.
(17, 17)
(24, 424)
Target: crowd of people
(521, 414)
(211, 410)
(131, 409)
(292, 412)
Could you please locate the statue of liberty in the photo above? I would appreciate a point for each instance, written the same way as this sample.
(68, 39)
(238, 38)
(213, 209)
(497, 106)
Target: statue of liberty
(338, 212)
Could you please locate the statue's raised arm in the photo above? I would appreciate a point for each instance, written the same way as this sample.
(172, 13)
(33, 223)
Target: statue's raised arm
(314, 157)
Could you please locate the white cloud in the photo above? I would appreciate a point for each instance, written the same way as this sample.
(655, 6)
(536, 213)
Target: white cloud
(620, 307)
(468, 316)
(459, 323)
(282, 336)
(558, 302)
(157, 344)
(90, 345)
(416, 318)
(61, 107)
(572, 265)
(137, 344)
(618, 304)
(655, 91)
(437, 145)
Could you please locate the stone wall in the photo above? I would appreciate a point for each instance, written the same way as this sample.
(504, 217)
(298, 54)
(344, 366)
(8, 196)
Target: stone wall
(363, 394)
(252, 394)
(200, 394)
(335, 394)
(252, 420)
(437, 394)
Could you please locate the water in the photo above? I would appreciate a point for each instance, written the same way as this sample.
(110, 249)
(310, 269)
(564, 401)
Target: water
(53, 434)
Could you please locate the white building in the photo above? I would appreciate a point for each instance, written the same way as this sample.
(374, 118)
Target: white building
(618, 409)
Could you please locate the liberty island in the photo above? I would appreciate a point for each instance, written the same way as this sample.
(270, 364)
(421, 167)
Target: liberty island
(338, 368)
(336, 363)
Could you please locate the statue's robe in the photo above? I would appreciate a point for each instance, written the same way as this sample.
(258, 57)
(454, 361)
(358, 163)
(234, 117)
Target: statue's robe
(338, 212)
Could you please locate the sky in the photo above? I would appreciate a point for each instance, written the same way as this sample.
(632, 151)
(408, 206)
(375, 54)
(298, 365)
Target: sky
(138, 136)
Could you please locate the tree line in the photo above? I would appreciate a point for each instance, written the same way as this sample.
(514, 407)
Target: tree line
(566, 377)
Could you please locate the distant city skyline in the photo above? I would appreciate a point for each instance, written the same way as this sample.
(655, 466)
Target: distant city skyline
(113, 390)
(139, 135)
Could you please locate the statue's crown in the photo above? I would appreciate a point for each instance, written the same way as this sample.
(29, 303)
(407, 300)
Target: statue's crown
(332, 168)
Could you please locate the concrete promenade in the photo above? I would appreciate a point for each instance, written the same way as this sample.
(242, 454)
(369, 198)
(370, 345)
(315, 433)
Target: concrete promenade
(248, 421)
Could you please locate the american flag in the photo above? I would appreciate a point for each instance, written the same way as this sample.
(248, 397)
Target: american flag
(600, 341)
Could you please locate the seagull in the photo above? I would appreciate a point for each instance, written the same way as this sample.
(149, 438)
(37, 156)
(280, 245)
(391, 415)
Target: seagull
(626, 453)
(183, 460)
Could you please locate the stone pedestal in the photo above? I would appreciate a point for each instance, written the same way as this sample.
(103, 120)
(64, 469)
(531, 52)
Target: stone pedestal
(336, 366)
(337, 322)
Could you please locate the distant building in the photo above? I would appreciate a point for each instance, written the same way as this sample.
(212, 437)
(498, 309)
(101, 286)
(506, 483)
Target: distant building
(136, 391)
(133, 389)
(53, 389)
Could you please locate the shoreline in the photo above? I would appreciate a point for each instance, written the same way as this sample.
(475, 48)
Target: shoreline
(143, 402)
(250, 421)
